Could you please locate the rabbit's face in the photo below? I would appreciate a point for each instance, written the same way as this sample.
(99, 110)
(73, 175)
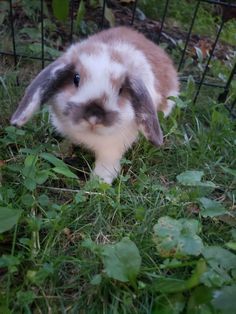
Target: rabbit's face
(95, 98)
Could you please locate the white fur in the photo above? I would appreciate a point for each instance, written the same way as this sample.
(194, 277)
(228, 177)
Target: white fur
(170, 103)
(54, 70)
(29, 110)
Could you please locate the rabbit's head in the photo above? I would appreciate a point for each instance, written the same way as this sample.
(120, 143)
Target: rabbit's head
(96, 87)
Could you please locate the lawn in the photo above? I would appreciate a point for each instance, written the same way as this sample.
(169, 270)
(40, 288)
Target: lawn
(160, 240)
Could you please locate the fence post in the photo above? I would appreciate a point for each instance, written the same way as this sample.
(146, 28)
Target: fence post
(188, 35)
(162, 21)
(42, 34)
(13, 33)
(71, 21)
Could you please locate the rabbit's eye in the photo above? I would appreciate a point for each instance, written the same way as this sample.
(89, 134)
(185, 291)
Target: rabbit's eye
(76, 79)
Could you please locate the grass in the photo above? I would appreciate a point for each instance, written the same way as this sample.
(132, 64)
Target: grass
(169, 218)
(207, 21)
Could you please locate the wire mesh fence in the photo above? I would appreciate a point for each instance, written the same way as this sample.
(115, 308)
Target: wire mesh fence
(227, 12)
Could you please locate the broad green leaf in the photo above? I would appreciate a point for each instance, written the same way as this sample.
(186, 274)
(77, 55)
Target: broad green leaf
(231, 245)
(41, 176)
(53, 160)
(65, 172)
(195, 279)
(221, 264)
(171, 285)
(30, 184)
(174, 304)
(36, 49)
(217, 256)
(33, 33)
(193, 178)
(177, 237)
(9, 261)
(80, 13)
(25, 297)
(29, 169)
(215, 277)
(190, 177)
(60, 9)
(31, 160)
(122, 260)
(8, 218)
(211, 208)
(27, 200)
(199, 302)
(43, 200)
(60, 166)
(225, 299)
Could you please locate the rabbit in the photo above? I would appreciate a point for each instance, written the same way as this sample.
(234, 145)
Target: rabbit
(104, 90)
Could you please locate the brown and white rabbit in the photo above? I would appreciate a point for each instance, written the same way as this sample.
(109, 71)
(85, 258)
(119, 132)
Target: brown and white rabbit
(103, 91)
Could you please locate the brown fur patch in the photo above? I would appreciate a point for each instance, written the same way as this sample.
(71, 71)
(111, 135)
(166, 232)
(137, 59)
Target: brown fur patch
(116, 56)
(90, 49)
(161, 64)
(115, 82)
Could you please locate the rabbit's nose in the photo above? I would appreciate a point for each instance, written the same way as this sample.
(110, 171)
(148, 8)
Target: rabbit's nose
(92, 120)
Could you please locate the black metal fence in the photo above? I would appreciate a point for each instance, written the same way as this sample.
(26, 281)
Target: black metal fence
(228, 9)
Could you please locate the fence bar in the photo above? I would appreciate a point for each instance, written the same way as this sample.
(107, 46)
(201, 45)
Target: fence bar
(188, 35)
(208, 61)
(103, 13)
(42, 34)
(13, 33)
(204, 83)
(162, 21)
(24, 56)
(222, 97)
(71, 21)
(133, 13)
(233, 72)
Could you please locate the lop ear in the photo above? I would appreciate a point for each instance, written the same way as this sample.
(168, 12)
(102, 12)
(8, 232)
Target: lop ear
(146, 116)
(43, 87)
